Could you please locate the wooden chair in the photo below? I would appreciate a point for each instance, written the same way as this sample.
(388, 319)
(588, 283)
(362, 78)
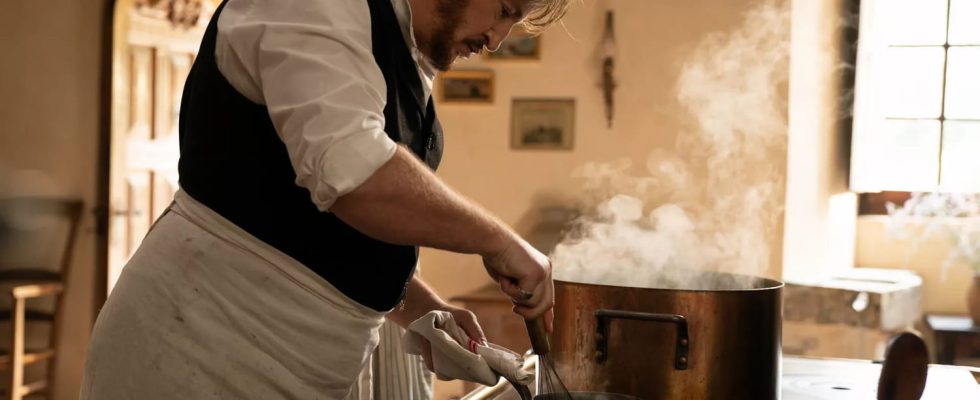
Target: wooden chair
(37, 236)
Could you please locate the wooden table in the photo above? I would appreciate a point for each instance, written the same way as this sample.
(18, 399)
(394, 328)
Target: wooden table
(807, 378)
(956, 337)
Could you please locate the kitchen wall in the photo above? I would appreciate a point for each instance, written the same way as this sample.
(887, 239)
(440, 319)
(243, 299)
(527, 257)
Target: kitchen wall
(49, 110)
(823, 233)
(653, 39)
(880, 245)
(943, 286)
(820, 211)
(49, 107)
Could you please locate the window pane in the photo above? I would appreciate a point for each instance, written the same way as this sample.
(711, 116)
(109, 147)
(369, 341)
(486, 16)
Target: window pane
(913, 82)
(961, 165)
(908, 157)
(914, 22)
(963, 82)
(964, 22)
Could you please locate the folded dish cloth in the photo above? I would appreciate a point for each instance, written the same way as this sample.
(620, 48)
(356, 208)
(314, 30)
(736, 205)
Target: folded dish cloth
(456, 356)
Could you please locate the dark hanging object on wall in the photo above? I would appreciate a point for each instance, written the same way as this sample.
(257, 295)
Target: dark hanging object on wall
(608, 53)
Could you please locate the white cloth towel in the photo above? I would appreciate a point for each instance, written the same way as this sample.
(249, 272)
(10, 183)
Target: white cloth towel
(456, 356)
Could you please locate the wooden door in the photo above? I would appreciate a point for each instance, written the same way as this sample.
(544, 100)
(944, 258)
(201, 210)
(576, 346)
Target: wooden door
(155, 45)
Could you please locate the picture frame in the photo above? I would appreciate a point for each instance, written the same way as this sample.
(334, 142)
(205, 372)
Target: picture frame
(542, 124)
(466, 86)
(518, 46)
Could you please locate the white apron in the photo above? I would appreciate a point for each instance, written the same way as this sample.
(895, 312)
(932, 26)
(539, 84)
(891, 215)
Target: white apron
(397, 374)
(204, 310)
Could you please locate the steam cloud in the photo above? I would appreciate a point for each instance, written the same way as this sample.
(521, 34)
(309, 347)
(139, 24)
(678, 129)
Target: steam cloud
(714, 202)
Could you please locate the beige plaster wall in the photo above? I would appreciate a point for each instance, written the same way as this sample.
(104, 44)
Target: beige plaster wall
(820, 211)
(49, 86)
(49, 107)
(944, 286)
(823, 233)
(49, 110)
(653, 39)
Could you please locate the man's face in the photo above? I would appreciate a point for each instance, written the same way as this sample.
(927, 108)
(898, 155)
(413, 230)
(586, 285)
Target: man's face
(461, 28)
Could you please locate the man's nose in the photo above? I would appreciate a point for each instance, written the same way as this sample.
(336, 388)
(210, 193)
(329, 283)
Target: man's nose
(497, 34)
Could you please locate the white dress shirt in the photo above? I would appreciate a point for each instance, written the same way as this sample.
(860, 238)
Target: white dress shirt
(310, 63)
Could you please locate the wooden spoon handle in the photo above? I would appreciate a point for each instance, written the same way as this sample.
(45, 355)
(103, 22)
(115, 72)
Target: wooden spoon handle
(539, 337)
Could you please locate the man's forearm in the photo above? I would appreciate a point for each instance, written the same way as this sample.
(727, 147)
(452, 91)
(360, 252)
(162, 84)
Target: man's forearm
(405, 203)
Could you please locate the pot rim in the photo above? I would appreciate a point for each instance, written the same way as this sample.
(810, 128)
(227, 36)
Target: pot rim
(767, 284)
(613, 396)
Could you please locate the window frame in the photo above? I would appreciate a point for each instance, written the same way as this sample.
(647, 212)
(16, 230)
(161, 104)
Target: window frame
(867, 176)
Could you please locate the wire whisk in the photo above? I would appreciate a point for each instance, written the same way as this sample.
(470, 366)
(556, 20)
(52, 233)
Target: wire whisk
(549, 383)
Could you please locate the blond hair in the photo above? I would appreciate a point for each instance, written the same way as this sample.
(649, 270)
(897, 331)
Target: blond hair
(543, 14)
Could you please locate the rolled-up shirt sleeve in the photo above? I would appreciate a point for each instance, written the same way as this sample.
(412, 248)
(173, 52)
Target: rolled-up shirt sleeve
(310, 63)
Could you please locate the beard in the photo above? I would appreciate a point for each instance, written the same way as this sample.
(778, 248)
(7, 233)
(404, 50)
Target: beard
(450, 14)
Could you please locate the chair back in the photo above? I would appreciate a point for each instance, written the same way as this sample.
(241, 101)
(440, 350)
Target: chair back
(37, 236)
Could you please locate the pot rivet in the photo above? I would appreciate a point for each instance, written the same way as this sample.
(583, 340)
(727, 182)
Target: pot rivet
(684, 342)
(683, 360)
(598, 355)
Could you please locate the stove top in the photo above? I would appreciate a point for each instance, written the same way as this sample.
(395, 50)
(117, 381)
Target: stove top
(833, 379)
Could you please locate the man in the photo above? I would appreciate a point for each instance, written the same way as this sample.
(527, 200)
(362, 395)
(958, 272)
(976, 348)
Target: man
(308, 140)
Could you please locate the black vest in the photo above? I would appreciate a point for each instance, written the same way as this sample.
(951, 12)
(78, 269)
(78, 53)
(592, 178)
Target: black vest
(232, 160)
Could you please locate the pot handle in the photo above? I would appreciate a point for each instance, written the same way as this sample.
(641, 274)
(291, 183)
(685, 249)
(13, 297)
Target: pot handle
(603, 318)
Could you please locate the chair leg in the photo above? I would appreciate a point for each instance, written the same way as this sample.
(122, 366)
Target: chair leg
(55, 334)
(17, 349)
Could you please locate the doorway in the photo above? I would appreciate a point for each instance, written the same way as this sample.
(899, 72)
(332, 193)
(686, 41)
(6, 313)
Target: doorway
(154, 43)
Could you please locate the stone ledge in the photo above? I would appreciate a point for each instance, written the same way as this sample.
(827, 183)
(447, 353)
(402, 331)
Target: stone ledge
(886, 299)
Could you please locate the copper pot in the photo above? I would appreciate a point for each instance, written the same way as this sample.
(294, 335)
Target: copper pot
(715, 337)
(585, 396)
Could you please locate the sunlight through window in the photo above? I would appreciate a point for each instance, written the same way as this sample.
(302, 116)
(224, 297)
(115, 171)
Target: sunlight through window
(917, 105)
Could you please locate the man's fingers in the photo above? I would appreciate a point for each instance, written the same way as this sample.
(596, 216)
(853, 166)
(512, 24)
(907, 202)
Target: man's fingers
(526, 290)
(467, 320)
(524, 274)
(544, 302)
(515, 292)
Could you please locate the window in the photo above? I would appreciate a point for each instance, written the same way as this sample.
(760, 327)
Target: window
(917, 97)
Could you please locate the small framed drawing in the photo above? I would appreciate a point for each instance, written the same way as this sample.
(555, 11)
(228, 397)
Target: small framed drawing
(519, 45)
(543, 124)
(474, 86)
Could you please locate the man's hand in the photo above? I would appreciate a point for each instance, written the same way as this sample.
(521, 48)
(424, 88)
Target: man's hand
(466, 320)
(524, 274)
(419, 300)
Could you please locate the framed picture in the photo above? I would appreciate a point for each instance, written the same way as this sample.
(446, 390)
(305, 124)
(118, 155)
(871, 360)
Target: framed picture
(519, 45)
(547, 124)
(466, 86)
